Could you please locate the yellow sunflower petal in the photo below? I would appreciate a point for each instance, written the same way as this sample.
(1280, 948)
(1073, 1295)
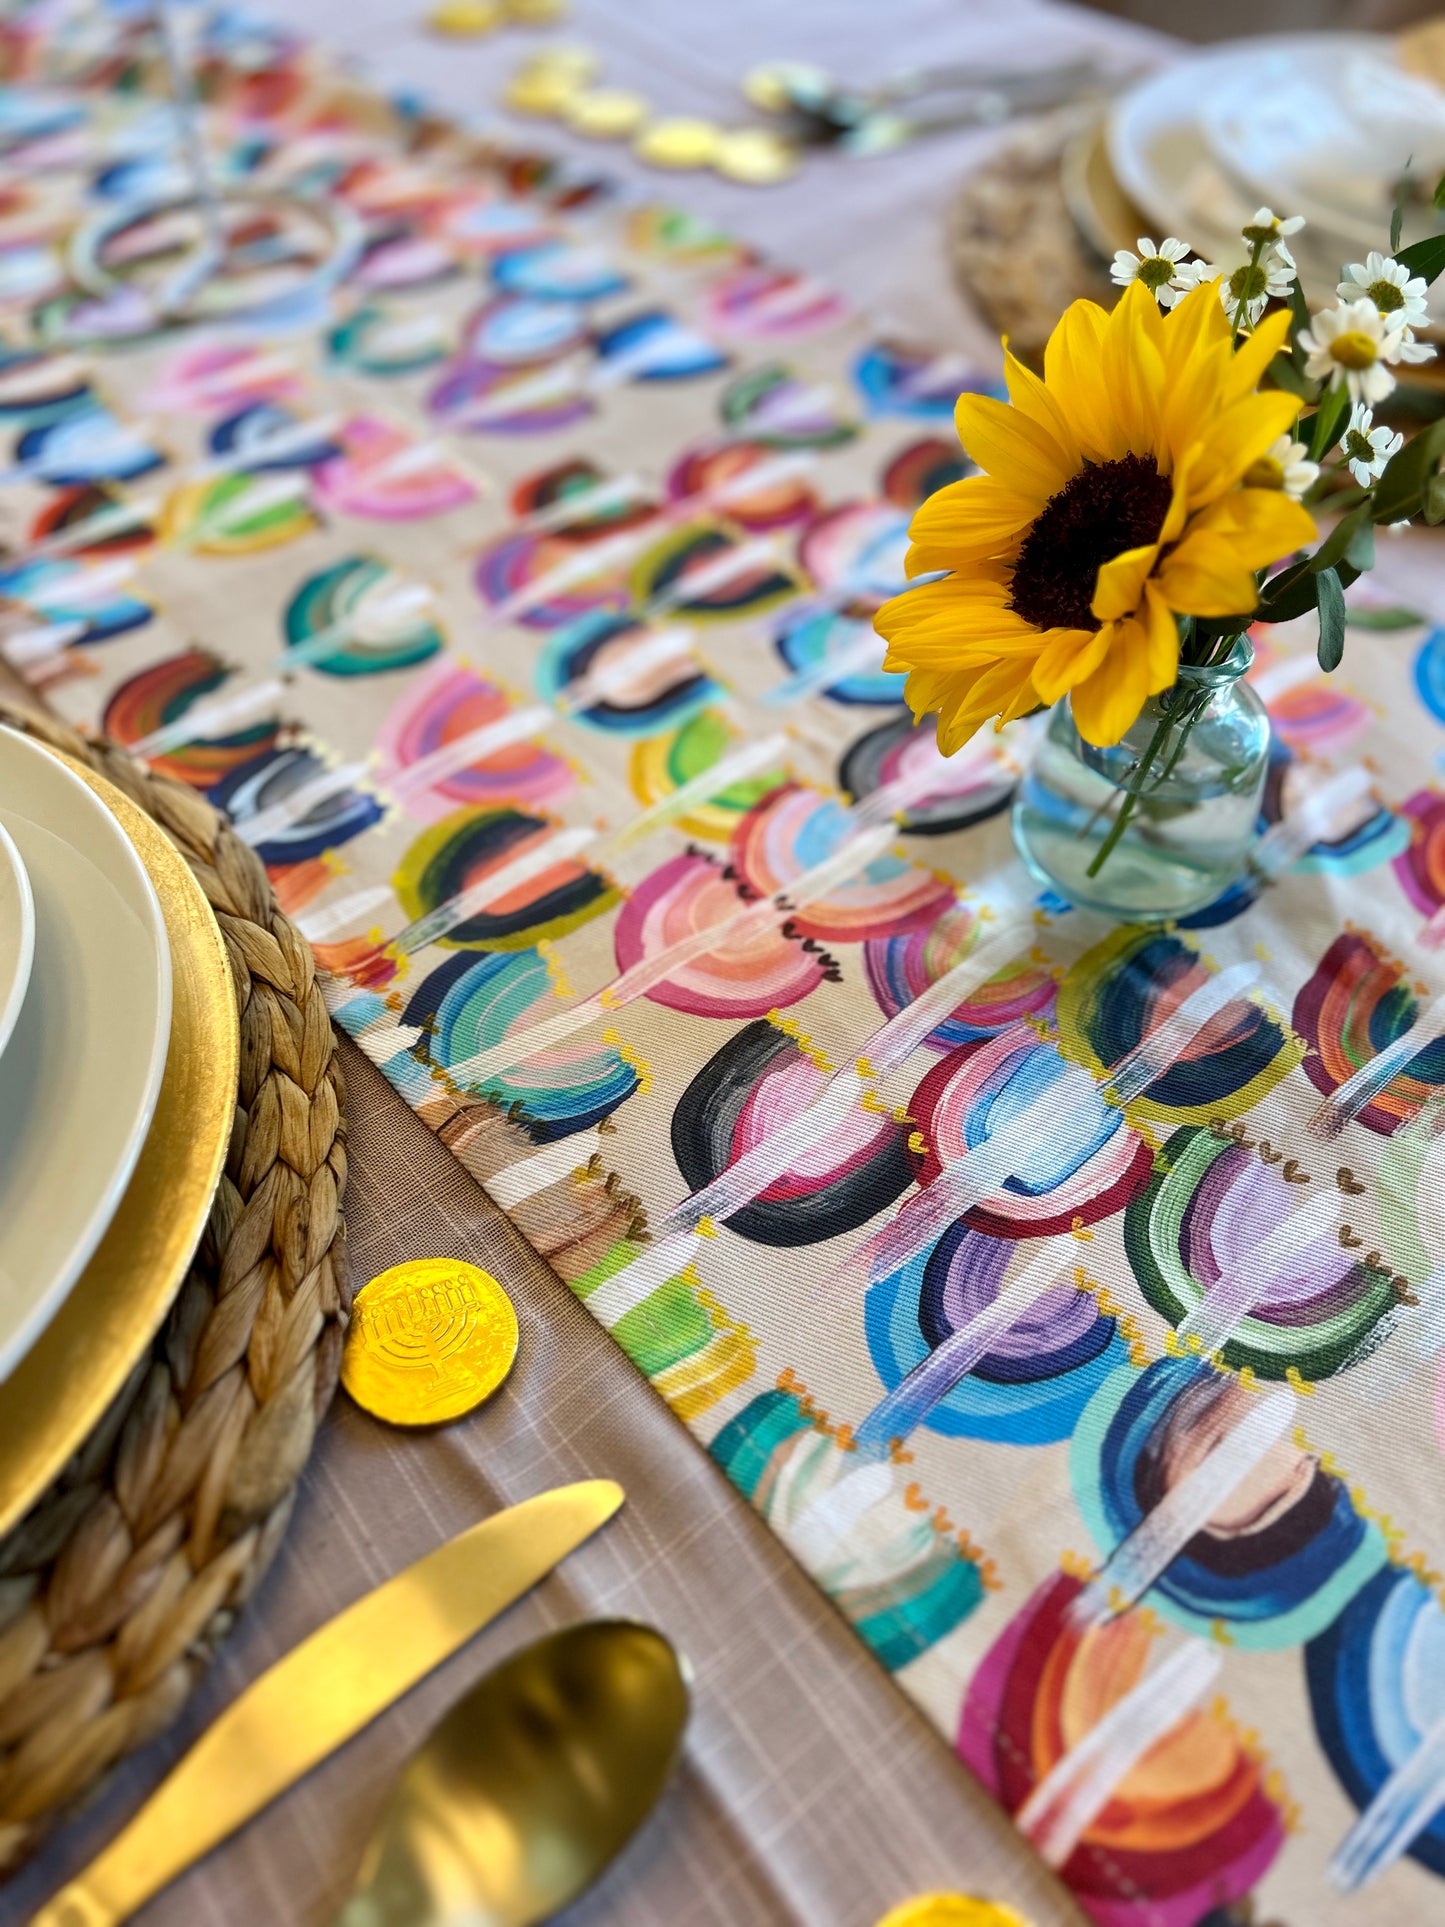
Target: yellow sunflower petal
(1179, 501)
(1106, 703)
(1068, 656)
(1262, 524)
(1007, 444)
(1073, 373)
(1002, 689)
(975, 517)
(1133, 371)
(1032, 398)
(953, 621)
(1205, 577)
(1194, 326)
(1121, 582)
(1161, 633)
(1255, 353)
(1237, 436)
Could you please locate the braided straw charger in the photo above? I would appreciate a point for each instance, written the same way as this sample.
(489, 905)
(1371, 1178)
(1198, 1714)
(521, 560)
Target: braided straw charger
(119, 1583)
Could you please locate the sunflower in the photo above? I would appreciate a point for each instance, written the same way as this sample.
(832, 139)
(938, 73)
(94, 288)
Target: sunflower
(1130, 486)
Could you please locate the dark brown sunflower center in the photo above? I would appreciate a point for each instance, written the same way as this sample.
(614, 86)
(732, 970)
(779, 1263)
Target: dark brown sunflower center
(1104, 509)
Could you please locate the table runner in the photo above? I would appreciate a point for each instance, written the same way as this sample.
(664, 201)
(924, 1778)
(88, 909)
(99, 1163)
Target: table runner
(507, 349)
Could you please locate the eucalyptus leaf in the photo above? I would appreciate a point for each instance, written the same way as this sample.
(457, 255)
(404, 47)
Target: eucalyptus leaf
(1383, 619)
(1437, 199)
(1341, 540)
(1332, 620)
(1293, 592)
(1285, 374)
(1360, 549)
(1425, 257)
(1433, 506)
(1400, 491)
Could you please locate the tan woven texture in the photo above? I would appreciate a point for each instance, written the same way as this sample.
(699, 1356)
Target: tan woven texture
(117, 1587)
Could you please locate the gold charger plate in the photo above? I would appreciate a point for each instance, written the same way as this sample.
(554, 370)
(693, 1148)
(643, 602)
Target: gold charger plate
(59, 1392)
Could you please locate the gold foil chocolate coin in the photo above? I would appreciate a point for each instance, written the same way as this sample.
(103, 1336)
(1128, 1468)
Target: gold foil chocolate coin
(951, 1910)
(678, 143)
(755, 155)
(429, 1340)
(782, 83)
(606, 113)
(465, 19)
(543, 91)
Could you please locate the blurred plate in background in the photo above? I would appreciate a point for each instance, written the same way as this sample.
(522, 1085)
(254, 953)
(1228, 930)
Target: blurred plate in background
(1314, 124)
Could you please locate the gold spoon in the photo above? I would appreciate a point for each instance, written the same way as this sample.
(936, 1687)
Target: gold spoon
(532, 1783)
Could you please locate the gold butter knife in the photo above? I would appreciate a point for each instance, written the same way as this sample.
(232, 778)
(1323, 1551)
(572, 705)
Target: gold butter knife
(325, 1690)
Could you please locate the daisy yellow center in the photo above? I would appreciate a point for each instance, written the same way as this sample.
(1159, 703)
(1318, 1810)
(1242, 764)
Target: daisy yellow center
(1155, 271)
(1354, 350)
(1248, 283)
(1386, 296)
(1106, 508)
(1264, 472)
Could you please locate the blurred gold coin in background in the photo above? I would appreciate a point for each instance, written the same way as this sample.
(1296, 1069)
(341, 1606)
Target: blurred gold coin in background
(536, 13)
(951, 1910)
(606, 113)
(462, 19)
(776, 86)
(755, 155)
(680, 143)
(547, 92)
(428, 1341)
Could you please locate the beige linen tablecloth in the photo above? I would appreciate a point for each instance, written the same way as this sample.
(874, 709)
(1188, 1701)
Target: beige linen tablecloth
(811, 1791)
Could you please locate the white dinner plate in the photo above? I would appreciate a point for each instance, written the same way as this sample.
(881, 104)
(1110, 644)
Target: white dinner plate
(1326, 129)
(17, 934)
(1162, 154)
(79, 1080)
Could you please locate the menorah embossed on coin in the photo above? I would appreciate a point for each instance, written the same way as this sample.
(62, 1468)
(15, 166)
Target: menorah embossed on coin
(429, 1340)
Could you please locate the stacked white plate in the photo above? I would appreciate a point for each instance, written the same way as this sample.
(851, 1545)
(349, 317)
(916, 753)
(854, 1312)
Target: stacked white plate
(85, 1014)
(1323, 125)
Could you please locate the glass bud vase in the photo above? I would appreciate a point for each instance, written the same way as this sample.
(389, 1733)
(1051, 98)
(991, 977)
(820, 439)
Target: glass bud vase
(1196, 756)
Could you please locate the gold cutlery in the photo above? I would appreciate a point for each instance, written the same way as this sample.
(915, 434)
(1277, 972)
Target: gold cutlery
(327, 1689)
(530, 1786)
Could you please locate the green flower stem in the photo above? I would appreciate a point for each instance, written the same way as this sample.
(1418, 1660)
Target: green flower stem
(1132, 793)
(1256, 250)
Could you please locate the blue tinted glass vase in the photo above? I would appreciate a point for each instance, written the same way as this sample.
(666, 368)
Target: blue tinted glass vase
(1195, 761)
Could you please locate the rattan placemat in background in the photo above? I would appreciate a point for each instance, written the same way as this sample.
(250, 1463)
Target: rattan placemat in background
(117, 1587)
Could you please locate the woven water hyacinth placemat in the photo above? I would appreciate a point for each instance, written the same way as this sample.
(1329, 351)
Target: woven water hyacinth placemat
(118, 1585)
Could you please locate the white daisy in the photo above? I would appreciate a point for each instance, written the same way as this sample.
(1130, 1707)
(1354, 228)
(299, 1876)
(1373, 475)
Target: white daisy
(1266, 226)
(1404, 347)
(1351, 344)
(1366, 448)
(1399, 295)
(1192, 273)
(1284, 466)
(1158, 268)
(1257, 283)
